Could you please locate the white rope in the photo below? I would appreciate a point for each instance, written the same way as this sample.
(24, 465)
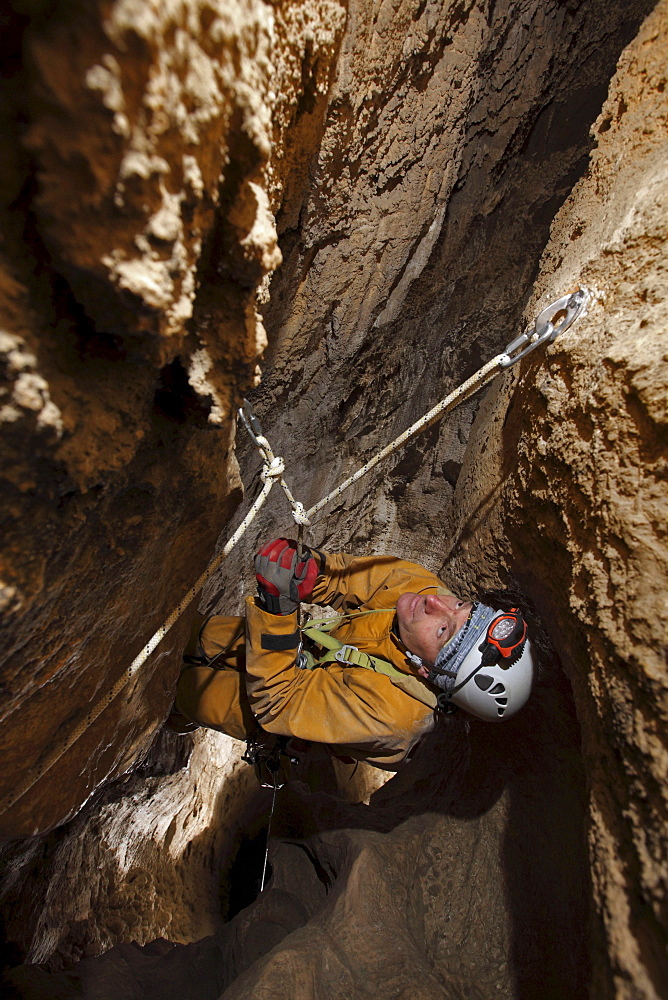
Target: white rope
(47, 762)
(266, 849)
(272, 472)
(466, 389)
(274, 467)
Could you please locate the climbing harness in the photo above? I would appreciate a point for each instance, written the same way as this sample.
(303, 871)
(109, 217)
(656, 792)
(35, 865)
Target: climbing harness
(271, 756)
(336, 651)
(554, 320)
(317, 631)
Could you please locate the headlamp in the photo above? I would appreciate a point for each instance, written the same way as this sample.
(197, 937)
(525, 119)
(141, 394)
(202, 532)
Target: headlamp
(506, 635)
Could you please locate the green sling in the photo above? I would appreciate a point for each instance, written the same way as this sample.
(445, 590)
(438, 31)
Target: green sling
(339, 652)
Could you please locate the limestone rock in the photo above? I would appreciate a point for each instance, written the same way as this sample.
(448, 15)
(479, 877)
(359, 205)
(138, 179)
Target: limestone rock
(589, 432)
(414, 160)
(137, 236)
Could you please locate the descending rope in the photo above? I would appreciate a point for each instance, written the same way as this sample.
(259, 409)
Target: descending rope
(271, 816)
(33, 775)
(552, 321)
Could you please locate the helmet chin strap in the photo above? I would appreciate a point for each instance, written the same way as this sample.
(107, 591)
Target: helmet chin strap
(413, 658)
(416, 660)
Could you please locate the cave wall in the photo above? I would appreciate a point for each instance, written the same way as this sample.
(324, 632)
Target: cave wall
(413, 178)
(453, 134)
(585, 438)
(578, 521)
(171, 851)
(137, 237)
(141, 861)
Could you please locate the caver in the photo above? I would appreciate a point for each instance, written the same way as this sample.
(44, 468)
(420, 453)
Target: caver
(367, 681)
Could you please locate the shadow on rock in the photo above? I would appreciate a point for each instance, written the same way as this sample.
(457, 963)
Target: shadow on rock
(469, 863)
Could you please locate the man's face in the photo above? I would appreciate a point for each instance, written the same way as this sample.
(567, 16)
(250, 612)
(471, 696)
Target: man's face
(427, 621)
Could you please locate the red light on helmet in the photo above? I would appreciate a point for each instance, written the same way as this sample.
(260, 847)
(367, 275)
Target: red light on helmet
(507, 633)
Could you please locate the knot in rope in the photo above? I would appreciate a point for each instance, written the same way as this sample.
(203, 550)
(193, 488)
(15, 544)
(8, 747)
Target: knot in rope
(299, 513)
(273, 469)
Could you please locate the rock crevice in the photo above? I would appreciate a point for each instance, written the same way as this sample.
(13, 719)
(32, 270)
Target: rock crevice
(377, 198)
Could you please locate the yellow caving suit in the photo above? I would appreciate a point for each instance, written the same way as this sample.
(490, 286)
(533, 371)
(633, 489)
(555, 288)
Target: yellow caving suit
(354, 710)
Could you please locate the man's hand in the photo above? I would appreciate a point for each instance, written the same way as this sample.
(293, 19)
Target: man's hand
(284, 580)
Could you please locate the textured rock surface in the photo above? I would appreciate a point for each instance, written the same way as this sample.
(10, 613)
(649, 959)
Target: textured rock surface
(137, 233)
(590, 431)
(146, 855)
(417, 244)
(170, 851)
(413, 201)
(450, 883)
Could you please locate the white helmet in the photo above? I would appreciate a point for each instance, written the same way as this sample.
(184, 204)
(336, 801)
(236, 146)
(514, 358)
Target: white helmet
(492, 678)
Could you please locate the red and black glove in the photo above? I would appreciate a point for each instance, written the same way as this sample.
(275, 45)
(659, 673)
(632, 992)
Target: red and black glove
(284, 580)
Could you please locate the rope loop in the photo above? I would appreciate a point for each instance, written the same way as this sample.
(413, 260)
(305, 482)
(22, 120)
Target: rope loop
(273, 469)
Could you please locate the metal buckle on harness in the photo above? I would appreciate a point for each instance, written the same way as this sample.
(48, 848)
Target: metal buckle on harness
(343, 654)
(544, 329)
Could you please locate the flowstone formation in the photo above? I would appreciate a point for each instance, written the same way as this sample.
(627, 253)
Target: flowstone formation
(406, 161)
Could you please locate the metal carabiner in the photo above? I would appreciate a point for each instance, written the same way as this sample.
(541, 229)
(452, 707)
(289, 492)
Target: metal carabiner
(251, 422)
(544, 329)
